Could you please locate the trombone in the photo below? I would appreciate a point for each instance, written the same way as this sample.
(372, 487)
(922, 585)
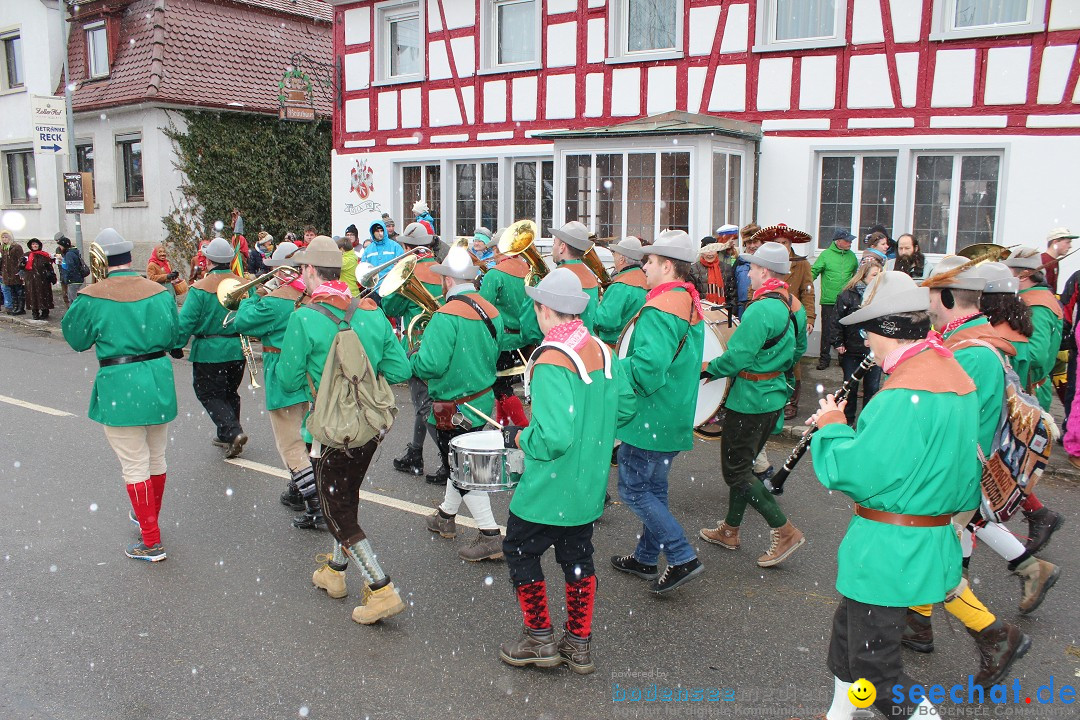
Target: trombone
(370, 280)
(518, 239)
(402, 279)
(230, 293)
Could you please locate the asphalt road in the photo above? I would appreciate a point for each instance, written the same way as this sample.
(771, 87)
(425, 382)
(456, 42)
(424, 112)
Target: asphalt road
(231, 627)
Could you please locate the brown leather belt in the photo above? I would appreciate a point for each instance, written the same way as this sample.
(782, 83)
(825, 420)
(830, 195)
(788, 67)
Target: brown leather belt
(922, 521)
(467, 398)
(755, 377)
(271, 349)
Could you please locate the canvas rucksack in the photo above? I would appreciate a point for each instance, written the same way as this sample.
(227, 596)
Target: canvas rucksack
(1021, 448)
(354, 404)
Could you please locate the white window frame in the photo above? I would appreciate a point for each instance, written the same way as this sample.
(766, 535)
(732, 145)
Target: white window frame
(719, 150)
(489, 38)
(92, 72)
(424, 167)
(385, 13)
(954, 191)
(821, 243)
(765, 32)
(32, 201)
(618, 29)
(943, 27)
(5, 35)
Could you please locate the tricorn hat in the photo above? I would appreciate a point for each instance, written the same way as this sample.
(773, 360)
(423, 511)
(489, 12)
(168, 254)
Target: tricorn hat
(771, 256)
(574, 234)
(322, 251)
(561, 291)
(780, 230)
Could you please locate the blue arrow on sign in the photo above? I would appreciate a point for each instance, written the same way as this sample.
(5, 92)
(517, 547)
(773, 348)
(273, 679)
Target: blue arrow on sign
(54, 148)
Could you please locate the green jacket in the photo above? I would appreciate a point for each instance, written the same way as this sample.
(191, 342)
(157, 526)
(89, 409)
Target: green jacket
(622, 300)
(836, 267)
(764, 320)
(126, 314)
(1045, 340)
(267, 318)
(530, 328)
(307, 343)
(396, 305)
(569, 439)
(457, 355)
(349, 262)
(202, 316)
(504, 287)
(1021, 362)
(909, 453)
(664, 377)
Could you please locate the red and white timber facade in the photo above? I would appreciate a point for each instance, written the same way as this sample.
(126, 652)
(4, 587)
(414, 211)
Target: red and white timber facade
(959, 124)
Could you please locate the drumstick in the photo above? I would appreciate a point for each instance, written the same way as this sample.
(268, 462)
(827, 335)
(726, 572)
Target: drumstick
(485, 417)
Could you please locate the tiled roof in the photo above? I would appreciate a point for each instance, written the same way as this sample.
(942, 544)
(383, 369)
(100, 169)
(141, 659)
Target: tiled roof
(205, 53)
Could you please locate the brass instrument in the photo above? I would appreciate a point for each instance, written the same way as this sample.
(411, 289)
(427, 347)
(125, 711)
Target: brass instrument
(465, 243)
(518, 239)
(230, 291)
(985, 252)
(245, 345)
(402, 279)
(370, 280)
(99, 262)
(592, 261)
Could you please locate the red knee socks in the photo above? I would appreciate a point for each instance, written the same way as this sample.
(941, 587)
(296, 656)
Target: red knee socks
(158, 482)
(533, 601)
(580, 597)
(1031, 504)
(145, 507)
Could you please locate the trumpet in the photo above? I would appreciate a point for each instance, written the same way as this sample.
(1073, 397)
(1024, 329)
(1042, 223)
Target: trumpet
(230, 291)
(518, 239)
(403, 279)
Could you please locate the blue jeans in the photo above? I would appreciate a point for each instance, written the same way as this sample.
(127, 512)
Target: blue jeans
(643, 486)
(8, 297)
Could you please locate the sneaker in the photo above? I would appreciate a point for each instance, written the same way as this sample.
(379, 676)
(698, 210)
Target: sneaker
(676, 575)
(723, 535)
(378, 604)
(138, 551)
(630, 564)
(329, 579)
(536, 647)
(445, 526)
(784, 541)
(484, 547)
(574, 651)
(236, 446)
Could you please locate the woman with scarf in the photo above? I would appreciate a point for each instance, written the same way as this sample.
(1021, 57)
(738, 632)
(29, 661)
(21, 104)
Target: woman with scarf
(718, 273)
(39, 277)
(850, 346)
(160, 271)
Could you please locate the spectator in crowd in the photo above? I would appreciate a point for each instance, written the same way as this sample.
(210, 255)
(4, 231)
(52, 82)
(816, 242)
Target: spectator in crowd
(380, 250)
(349, 261)
(909, 258)
(353, 236)
(850, 346)
(1058, 244)
(718, 274)
(836, 265)
(264, 248)
(876, 245)
(391, 226)
(71, 268)
(890, 249)
(11, 265)
(309, 234)
(423, 216)
(742, 267)
(39, 277)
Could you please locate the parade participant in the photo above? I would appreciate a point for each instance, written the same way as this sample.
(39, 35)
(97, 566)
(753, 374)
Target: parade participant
(380, 250)
(131, 323)
(457, 360)
(568, 246)
(907, 466)
(38, 277)
(742, 268)
(761, 350)
(481, 248)
(198, 262)
(625, 295)
(217, 358)
(955, 290)
(266, 317)
(662, 363)
(579, 396)
(718, 273)
(11, 263)
(397, 306)
(71, 268)
(1026, 264)
(850, 346)
(836, 264)
(339, 472)
(1058, 243)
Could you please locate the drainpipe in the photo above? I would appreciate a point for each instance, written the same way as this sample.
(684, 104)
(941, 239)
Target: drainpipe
(757, 177)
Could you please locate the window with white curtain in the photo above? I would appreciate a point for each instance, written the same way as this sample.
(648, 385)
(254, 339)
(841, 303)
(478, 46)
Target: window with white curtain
(955, 200)
(786, 24)
(510, 34)
(97, 50)
(421, 182)
(12, 76)
(727, 189)
(399, 35)
(855, 192)
(476, 196)
(645, 27)
(534, 192)
(982, 18)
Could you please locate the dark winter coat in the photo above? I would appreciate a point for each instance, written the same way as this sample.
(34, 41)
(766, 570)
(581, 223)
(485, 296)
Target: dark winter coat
(38, 281)
(847, 336)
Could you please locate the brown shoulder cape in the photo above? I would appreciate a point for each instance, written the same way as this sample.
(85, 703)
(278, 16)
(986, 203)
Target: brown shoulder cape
(679, 304)
(124, 288)
(1042, 297)
(464, 310)
(584, 274)
(634, 277)
(985, 333)
(930, 372)
(212, 280)
(590, 355)
(422, 269)
(285, 292)
(515, 266)
(1005, 330)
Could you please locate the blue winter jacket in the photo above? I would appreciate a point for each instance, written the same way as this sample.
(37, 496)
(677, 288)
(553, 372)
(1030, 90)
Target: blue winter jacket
(380, 251)
(742, 285)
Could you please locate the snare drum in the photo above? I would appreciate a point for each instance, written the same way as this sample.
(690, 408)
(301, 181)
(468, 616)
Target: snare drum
(478, 461)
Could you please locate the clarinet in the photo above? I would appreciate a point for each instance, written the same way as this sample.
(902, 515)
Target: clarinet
(775, 484)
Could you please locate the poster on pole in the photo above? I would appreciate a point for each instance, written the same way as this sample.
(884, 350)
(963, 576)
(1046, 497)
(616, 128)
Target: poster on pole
(49, 115)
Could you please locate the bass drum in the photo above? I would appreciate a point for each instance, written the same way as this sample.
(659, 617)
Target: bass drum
(708, 415)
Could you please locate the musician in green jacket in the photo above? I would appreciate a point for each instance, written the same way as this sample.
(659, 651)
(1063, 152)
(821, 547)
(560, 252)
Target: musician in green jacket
(761, 350)
(626, 293)
(217, 358)
(568, 247)
(1026, 264)
(131, 323)
(504, 287)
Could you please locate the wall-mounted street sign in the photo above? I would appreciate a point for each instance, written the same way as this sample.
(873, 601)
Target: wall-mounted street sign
(49, 117)
(295, 100)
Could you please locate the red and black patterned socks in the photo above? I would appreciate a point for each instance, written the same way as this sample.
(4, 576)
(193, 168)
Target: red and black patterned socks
(580, 598)
(533, 601)
(145, 504)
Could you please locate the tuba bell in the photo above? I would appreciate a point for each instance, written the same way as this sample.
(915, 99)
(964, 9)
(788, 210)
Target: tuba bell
(519, 239)
(99, 262)
(592, 261)
(402, 279)
(985, 252)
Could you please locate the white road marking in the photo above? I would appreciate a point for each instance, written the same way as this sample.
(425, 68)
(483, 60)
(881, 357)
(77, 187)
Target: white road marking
(386, 500)
(33, 406)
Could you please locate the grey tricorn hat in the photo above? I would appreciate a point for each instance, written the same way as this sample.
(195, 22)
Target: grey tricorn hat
(999, 278)
(322, 251)
(675, 245)
(415, 234)
(114, 244)
(628, 247)
(220, 251)
(771, 256)
(457, 264)
(1024, 258)
(561, 291)
(970, 279)
(282, 255)
(892, 292)
(575, 235)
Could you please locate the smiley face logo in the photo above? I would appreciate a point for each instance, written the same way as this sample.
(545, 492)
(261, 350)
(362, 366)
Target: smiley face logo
(862, 693)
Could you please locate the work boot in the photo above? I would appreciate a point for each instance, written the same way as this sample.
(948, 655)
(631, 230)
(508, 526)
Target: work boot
(1000, 645)
(484, 547)
(313, 518)
(723, 535)
(1042, 523)
(445, 526)
(236, 446)
(536, 647)
(377, 604)
(823, 362)
(629, 564)
(918, 633)
(440, 477)
(330, 580)
(412, 462)
(792, 407)
(291, 497)
(574, 651)
(676, 575)
(785, 540)
(1036, 577)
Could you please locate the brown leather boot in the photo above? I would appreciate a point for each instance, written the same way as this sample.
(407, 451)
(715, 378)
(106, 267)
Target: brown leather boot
(723, 535)
(536, 647)
(574, 651)
(1036, 578)
(785, 540)
(1042, 523)
(918, 633)
(484, 547)
(792, 407)
(1000, 645)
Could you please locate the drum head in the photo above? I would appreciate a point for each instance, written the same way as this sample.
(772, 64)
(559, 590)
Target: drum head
(479, 440)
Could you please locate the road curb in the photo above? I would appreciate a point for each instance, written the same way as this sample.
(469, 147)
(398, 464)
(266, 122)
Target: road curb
(41, 327)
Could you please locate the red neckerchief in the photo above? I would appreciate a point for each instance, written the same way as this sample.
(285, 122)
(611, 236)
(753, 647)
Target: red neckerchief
(333, 292)
(905, 352)
(664, 287)
(298, 284)
(571, 333)
(423, 252)
(958, 322)
(770, 285)
(30, 258)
